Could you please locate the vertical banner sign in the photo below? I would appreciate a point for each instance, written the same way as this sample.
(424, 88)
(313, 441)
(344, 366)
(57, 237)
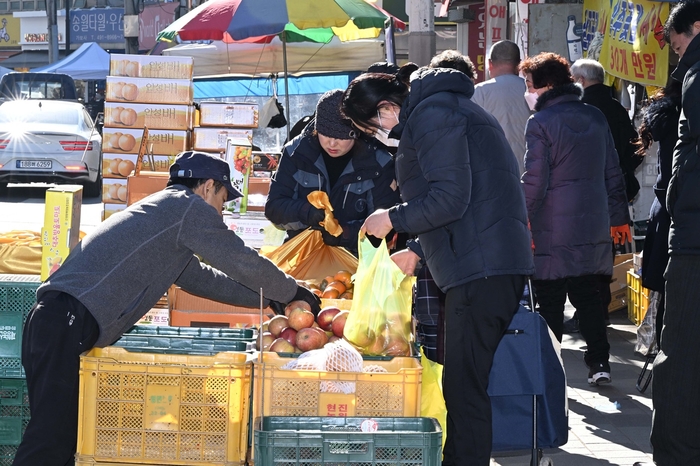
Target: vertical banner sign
(152, 20)
(633, 46)
(496, 22)
(521, 24)
(477, 40)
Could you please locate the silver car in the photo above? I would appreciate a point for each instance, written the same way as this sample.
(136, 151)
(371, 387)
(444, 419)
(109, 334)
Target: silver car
(49, 141)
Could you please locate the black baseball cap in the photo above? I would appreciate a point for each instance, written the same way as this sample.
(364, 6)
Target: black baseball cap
(200, 165)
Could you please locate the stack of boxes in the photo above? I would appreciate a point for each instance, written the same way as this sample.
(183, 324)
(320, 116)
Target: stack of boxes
(144, 91)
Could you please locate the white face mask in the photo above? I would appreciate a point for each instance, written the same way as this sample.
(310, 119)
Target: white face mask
(531, 99)
(383, 137)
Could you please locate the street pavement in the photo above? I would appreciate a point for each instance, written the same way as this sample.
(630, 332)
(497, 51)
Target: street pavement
(608, 424)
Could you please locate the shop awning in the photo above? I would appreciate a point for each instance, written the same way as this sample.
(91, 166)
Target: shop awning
(30, 59)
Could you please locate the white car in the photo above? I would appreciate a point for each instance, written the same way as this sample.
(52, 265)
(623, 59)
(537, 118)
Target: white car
(49, 141)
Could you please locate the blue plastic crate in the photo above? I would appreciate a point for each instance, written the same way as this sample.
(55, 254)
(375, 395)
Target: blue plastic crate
(315, 441)
(17, 296)
(14, 416)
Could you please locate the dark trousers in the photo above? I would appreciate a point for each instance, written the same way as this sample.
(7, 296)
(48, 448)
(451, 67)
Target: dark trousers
(57, 330)
(675, 431)
(476, 316)
(584, 295)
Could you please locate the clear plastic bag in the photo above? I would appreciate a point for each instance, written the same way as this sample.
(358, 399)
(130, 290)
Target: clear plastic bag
(646, 332)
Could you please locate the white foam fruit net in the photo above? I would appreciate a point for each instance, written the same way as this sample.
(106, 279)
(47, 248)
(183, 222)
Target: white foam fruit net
(338, 356)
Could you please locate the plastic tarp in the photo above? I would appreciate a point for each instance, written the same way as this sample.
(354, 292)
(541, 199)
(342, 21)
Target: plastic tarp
(4, 71)
(90, 61)
(213, 88)
(219, 58)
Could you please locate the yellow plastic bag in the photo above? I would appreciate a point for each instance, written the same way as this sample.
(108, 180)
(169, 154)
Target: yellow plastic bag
(432, 401)
(380, 317)
(307, 257)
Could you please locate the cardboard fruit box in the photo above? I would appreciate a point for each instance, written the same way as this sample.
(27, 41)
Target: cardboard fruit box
(122, 165)
(153, 116)
(149, 90)
(160, 141)
(243, 115)
(214, 139)
(151, 66)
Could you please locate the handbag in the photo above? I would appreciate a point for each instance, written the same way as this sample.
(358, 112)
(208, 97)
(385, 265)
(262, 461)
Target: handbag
(141, 184)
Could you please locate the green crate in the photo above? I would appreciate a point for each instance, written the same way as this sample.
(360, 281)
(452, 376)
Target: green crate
(17, 296)
(186, 340)
(14, 416)
(315, 441)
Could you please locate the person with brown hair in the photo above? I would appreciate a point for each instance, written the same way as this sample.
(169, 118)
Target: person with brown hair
(574, 192)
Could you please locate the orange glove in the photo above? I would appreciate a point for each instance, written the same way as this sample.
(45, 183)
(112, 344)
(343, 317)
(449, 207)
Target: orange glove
(621, 234)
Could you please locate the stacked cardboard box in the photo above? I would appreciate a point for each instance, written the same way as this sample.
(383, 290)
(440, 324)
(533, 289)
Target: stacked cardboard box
(144, 91)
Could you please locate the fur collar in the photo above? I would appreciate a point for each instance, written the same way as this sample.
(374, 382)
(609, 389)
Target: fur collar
(558, 91)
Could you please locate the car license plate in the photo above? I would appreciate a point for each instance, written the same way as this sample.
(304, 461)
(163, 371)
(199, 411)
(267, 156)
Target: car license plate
(34, 164)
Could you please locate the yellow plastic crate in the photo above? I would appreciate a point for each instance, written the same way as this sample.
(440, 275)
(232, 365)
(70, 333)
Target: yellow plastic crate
(637, 298)
(291, 392)
(164, 409)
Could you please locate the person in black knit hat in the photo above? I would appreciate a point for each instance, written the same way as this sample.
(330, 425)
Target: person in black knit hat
(356, 172)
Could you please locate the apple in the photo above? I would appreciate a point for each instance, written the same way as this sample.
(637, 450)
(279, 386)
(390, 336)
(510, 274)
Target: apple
(338, 323)
(333, 338)
(298, 304)
(363, 338)
(289, 334)
(277, 324)
(396, 345)
(281, 345)
(377, 346)
(325, 317)
(310, 339)
(267, 338)
(300, 318)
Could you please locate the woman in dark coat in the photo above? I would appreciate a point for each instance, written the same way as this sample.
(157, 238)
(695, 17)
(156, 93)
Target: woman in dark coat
(574, 191)
(659, 123)
(355, 172)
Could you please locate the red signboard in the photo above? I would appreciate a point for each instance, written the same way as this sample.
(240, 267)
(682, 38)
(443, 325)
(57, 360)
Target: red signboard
(152, 20)
(477, 40)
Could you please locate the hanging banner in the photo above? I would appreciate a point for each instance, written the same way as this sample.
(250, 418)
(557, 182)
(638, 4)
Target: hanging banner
(476, 41)
(633, 45)
(152, 20)
(521, 24)
(496, 22)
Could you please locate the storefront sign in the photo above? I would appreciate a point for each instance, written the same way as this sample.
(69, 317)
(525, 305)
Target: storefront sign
(521, 24)
(152, 20)
(477, 40)
(633, 45)
(496, 22)
(9, 32)
(39, 38)
(98, 25)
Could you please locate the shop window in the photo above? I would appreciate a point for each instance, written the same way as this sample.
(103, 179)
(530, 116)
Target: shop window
(3, 6)
(28, 6)
(14, 6)
(78, 3)
(41, 5)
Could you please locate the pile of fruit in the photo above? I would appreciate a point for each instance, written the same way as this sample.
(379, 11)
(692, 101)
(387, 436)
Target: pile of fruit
(338, 286)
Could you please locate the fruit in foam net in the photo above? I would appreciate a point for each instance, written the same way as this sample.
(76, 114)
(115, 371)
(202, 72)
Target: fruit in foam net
(325, 317)
(338, 323)
(298, 304)
(310, 338)
(300, 318)
(289, 334)
(280, 345)
(277, 324)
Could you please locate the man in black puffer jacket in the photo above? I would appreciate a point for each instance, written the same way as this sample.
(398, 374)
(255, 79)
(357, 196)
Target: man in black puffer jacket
(676, 422)
(460, 185)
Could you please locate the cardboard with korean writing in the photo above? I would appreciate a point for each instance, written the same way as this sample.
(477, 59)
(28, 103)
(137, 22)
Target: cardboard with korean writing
(151, 66)
(160, 141)
(214, 139)
(154, 116)
(61, 230)
(149, 90)
(122, 165)
(234, 115)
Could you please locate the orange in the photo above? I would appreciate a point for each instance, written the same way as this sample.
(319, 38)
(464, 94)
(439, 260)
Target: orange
(326, 281)
(345, 278)
(330, 293)
(338, 286)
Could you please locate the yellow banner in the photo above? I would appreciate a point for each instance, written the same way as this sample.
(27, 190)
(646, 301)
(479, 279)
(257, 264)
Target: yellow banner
(9, 31)
(633, 46)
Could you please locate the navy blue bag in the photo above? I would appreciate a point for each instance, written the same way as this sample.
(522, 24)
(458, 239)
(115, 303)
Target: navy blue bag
(526, 365)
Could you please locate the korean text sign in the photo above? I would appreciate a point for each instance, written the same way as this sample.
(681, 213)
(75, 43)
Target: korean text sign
(633, 47)
(98, 25)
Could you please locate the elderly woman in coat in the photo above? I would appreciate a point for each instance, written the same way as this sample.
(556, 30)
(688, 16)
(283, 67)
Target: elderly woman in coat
(574, 191)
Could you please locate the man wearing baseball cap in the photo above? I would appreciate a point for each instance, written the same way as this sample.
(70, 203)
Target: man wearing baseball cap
(118, 272)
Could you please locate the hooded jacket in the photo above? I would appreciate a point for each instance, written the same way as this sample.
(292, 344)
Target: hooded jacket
(366, 184)
(459, 182)
(573, 186)
(683, 196)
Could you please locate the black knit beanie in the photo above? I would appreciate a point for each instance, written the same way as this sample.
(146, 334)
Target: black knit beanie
(329, 121)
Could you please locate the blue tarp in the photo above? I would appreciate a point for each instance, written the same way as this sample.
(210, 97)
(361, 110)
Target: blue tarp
(90, 61)
(262, 87)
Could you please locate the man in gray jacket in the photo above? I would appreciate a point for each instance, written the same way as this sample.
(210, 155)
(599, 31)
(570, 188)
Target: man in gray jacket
(503, 96)
(118, 272)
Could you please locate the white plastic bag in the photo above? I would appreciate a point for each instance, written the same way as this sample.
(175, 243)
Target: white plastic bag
(646, 332)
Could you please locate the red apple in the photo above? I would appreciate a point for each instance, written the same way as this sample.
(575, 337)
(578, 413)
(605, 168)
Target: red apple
(338, 323)
(396, 345)
(300, 318)
(377, 347)
(277, 324)
(289, 334)
(310, 339)
(325, 317)
(266, 338)
(281, 345)
(333, 338)
(298, 304)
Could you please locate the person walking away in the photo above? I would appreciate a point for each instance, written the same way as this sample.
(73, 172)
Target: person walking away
(504, 95)
(676, 420)
(117, 273)
(574, 192)
(355, 172)
(461, 195)
(660, 116)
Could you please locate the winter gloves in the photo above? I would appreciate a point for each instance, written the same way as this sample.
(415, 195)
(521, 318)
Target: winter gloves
(311, 216)
(621, 234)
(303, 294)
